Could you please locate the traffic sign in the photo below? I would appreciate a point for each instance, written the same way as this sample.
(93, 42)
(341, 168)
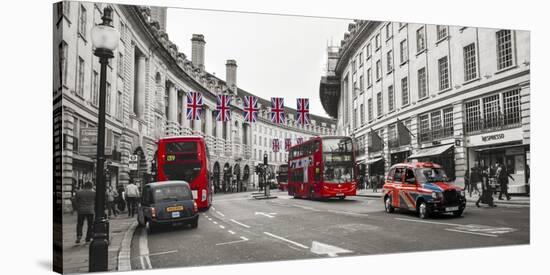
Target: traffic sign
(133, 162)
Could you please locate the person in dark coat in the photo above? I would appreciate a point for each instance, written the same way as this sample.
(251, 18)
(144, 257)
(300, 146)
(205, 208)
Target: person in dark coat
(502, 176)
(85, 209)
(475, 178)
(486, 196)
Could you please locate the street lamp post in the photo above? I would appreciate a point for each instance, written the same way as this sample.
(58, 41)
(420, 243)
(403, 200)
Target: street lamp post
(105, 39)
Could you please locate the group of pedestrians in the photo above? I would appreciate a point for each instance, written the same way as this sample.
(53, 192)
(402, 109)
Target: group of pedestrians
(83, 202)
(487, 176)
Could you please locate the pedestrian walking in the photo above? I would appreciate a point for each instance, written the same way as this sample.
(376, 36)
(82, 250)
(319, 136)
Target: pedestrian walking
(110, 196)
(502, 176)
(121, 200)
(475, 179)
(527, 178)
(486, 196)
(467, 183)
(132, 194)
(85, 209)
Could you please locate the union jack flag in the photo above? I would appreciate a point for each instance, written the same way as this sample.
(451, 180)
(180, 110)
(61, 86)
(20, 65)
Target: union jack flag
(194, 105)
(299, 140)
(223, 107)
(250, 108)
(277, 110)
(303, 111)
(275, 144)
(288, 143)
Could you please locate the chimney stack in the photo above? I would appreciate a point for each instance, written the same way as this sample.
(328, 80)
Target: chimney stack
(197, 50)
(231, 74)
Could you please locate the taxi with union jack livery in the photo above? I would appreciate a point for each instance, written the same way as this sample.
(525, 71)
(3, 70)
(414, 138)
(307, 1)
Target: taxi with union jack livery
(422, 187)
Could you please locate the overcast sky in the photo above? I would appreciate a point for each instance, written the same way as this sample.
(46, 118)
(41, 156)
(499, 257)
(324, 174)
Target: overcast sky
(276, 55)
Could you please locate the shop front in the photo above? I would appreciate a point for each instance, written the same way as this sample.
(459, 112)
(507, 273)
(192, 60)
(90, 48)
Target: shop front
(486, 150)
(443, 155)
(399, 157)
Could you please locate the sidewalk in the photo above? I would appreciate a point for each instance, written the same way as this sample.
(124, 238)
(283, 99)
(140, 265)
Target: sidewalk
(75, 256)
(516, 200)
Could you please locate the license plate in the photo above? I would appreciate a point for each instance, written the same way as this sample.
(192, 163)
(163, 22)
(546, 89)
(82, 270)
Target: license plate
(449, 209)
(195, 194)
(174, 208)
(175, 214)
(339, 194)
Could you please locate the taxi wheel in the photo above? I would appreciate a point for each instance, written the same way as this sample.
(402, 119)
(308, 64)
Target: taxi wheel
(195, 223)
(423, 211)
(458, 213)
(387, 205)
(150, 227)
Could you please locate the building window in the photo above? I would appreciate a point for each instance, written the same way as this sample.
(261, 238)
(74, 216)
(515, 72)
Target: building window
(361, 85)
(353, 68)
(470, 65)
(436, 125)
(495, 112)
(420, 40)
(362, 113)
(511, 107)
(369, 77)
(369, 51)
(504, 49)
(377, 41)
(491, 110)
(82, 22)
(404, 91)
(63, 52)
(379, 104)
(403, 51)
(391, 98)
(95, 89)
(80, 80)
(422, 86)
(378, 70)
(370, 108)
(354, 89)
(389, 32)
(360, 58)
(442, 32)
(389, 59)
(443, 64)
(473, 116)
(119, 105)
(120, 66)
(354, 118)
(108, 99)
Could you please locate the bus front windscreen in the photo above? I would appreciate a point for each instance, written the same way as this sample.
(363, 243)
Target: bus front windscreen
(338, 160)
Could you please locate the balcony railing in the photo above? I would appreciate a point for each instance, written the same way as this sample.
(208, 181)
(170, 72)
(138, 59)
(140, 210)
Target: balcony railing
(435, 134)
(500, 122)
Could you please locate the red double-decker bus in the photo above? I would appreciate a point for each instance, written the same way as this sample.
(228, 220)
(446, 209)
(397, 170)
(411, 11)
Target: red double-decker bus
(186, 158)
(322, 167)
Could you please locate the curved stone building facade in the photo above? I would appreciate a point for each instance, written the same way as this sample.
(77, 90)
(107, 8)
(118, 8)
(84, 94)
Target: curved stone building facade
(147, 83)
(461, 93)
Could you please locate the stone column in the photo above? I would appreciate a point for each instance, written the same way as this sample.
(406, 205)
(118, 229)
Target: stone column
(185, 122)
(140, 87)
(67, 125)
(208, 117)
(172, 110)
(460, 150)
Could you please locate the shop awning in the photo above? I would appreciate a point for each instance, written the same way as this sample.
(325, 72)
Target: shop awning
(433, 151)
(502, 147)
(371, 161)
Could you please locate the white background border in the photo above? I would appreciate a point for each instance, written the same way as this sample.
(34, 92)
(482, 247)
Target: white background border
(26, 113)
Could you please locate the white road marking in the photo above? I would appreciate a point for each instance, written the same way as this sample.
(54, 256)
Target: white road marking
(144, 250)
(213, 208)
(286, 240)
(220, 213)
(420, 221)
(215, 222)
(243, 239)
(265, 214)
(233, 233)
(210, 219)
(222, 227)
(330, 250)
(347, 213)
(241, 224)
(469, 232)
(162, 253)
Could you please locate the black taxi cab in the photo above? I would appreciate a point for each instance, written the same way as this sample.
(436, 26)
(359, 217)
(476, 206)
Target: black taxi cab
(422, 187)
(167, 203)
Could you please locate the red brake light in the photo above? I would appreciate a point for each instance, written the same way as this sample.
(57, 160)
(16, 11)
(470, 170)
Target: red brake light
(195, 207)
(153, 212)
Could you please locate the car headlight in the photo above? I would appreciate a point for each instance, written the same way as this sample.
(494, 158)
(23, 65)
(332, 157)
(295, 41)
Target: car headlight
(436, 195)
(462, 193)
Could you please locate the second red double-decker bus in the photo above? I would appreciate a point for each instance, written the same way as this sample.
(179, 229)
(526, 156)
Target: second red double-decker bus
(322, 167)
(186, 158)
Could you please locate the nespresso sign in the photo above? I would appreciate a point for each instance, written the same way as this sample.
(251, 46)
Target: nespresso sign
(509, 135)
(492, 137)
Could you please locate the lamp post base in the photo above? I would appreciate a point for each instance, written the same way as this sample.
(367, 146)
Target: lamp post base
(98, 260)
